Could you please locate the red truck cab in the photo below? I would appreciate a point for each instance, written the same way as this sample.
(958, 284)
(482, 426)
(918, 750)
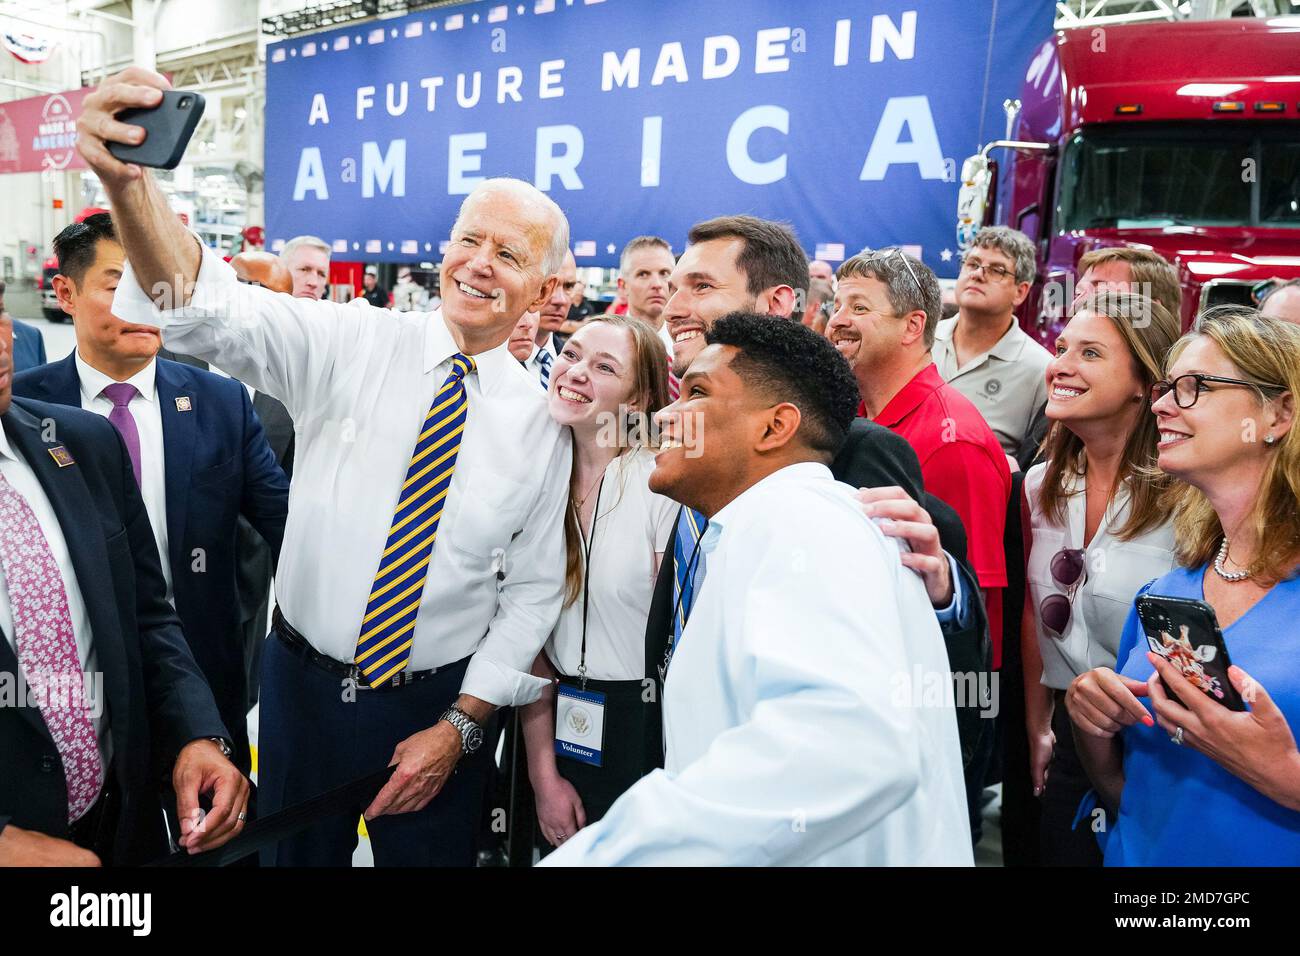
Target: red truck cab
(1180, 137)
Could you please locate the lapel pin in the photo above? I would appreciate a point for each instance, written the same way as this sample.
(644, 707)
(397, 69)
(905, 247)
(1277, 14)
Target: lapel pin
(62, 457)
(183, 403)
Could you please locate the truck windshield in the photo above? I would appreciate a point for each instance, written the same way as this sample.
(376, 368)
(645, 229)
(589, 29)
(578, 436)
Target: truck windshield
(1202, 174)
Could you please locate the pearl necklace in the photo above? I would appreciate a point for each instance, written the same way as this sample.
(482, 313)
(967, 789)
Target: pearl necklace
(1222, 556)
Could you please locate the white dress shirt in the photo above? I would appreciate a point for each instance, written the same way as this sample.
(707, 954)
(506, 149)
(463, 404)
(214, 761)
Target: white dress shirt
(20, 476)
(793, 732)
(632, 526)
(146, 411)
(358, 392)
(1116, 571)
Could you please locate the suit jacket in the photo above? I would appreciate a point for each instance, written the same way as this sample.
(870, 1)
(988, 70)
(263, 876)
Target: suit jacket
(29, 347)
(217, 466)
(872, 457)
(157, 699)
(256, 564)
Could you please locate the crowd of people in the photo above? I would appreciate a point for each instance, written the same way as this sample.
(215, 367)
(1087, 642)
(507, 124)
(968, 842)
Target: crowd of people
(735, 566)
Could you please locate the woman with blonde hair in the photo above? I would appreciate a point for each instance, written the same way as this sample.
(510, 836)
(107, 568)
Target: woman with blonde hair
(587, 737)
(1095, 533)
(1197, 783)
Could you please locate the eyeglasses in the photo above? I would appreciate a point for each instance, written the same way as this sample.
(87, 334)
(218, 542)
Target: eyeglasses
(1188, 388)
(884, 255)
(1069, 570)
(972, 265)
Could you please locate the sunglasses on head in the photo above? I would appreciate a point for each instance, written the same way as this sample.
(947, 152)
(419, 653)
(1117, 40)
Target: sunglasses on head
(884, 255)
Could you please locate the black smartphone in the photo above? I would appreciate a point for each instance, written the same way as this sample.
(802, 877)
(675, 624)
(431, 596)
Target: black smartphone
(1186, 633)
(168, 128)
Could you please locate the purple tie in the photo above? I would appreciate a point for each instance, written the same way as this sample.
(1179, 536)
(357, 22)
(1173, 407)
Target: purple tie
(120, 394)
(47, 648)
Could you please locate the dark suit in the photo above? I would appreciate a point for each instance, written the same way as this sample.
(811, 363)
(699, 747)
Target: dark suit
(218, 466)
(157, 700)
(29, 347)
(256, 564)
(875, 457)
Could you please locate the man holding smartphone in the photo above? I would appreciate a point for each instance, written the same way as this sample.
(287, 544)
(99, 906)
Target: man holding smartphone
(426, 463)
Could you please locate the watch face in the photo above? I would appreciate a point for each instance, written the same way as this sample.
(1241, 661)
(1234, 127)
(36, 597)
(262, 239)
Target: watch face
(474, 739)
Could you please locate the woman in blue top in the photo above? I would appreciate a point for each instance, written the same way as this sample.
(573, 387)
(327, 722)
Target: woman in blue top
(1200, 784)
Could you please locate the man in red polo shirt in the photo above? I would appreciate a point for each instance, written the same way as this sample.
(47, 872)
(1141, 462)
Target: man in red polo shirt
(887, 305)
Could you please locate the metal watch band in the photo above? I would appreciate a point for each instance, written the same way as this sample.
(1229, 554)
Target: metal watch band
(463, 723)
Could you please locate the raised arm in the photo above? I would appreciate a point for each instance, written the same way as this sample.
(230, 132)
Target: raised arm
(162, 252)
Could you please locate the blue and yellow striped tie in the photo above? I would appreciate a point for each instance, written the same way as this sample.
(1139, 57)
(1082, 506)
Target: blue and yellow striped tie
(387, 630)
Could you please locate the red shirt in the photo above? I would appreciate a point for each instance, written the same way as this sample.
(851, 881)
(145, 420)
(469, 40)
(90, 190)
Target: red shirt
(963, 464)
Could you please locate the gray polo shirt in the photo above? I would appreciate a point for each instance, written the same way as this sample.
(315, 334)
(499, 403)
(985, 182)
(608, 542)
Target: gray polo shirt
(1007, 383)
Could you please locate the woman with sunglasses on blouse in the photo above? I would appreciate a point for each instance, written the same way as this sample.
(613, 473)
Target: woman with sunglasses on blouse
(610, 378)
(1096, 535)
(1194, 782)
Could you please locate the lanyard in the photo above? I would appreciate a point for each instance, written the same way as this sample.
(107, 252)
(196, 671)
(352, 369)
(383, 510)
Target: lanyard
(690, 578)
(586, 578)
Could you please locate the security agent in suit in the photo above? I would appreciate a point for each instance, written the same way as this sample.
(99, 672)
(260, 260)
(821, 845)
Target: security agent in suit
(216, 464)
(73, 471)
(29, 344)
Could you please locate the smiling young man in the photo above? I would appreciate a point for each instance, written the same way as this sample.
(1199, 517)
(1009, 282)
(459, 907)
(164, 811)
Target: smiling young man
(788, 741)
(423, 562)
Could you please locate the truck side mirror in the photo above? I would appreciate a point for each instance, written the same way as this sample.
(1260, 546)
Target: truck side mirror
(978, 174)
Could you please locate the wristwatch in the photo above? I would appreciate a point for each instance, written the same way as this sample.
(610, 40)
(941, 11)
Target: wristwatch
(223, 746)
(471, 734)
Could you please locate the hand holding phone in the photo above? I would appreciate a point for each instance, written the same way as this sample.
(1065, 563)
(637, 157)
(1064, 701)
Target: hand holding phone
(1186, 633)
(168, 128)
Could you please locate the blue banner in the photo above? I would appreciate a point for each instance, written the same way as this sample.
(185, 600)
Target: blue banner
(847, 118)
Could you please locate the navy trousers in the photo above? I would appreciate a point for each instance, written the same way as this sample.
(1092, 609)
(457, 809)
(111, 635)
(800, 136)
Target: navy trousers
(312, 739)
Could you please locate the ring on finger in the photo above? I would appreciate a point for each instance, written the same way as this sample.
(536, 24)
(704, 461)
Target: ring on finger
(1177, 737)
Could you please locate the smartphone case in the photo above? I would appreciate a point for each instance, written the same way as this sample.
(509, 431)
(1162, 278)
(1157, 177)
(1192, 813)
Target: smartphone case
(1186, 633)
(168, 127)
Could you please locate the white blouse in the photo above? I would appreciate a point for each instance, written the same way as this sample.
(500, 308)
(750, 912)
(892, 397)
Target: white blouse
(1115, 570)
(631, 526)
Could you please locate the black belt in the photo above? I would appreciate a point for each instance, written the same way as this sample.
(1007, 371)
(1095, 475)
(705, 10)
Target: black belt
(300, 646)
